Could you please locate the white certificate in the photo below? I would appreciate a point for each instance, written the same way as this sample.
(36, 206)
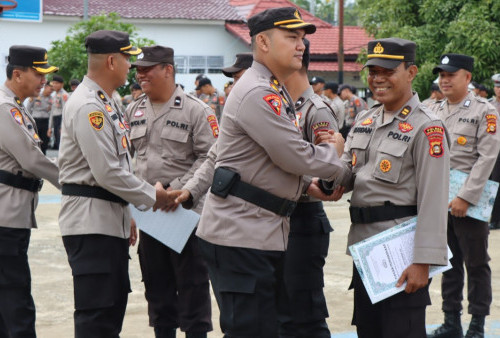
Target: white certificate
(381, 259)
(171, 228)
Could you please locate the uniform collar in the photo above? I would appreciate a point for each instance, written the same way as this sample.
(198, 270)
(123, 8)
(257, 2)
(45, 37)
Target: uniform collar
(7, 91)
(91, 84)
(176, 101)
(306, 95)
(408, 108)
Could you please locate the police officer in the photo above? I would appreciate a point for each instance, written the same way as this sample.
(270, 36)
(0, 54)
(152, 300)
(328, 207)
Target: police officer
(260, 159)
(354, 105)
(317, 83)
(495, 174)
(330, 93)
(40, 108)
(171, 133)
(22, 164)
(242, 63)
(436, 95)
(399, 160)
(97, 185)
(211, 96)
(472, 125)
(59, 98)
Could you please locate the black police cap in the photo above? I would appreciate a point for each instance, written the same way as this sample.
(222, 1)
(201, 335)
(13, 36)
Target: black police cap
(203, 81)
(29, 56)
(154, 55)
(316, 79)
(389, 53)
(243, 61)
(106, 42)
(333, 86)
(452, 62)
(58, 78)
(283, 17)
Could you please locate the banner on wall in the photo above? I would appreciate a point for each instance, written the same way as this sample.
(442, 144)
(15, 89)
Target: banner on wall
(21, 10)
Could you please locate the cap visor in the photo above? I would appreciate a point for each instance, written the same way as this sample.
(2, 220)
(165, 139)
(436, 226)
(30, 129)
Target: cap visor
(229, 71)
(132, 51)
(308, 27)
(143, 63)
(446, 68)
(46, 69)
(384, 63)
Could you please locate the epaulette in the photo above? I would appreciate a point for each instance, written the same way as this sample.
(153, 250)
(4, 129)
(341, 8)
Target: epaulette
(480, 99)
(317, 101)
(140, 97)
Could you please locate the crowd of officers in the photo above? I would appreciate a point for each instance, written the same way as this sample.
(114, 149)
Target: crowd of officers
(258, 180)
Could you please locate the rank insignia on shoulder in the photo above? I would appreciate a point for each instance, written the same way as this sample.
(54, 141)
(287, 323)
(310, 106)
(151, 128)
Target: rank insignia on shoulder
(274, 101)
(177, 101)
(367, 122)
(467, 103)
(16, 114)
(17, 100)
(354, 159)
(435, 137)
(404, 112)
(108, 108)
(96, 119)
(492, 123)
(405, 127)
(385, 166)
(461, 140)
(102, 96)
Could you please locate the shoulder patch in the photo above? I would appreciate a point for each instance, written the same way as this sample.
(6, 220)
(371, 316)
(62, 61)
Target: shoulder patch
(16, 114)
(320, 126)
(212, 120)
(435, 136)
(274, 101)
(492, 123)
(96, 119)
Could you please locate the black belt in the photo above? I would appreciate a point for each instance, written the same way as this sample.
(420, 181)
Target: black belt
(381, 213)
(20, 182)
(91, 191)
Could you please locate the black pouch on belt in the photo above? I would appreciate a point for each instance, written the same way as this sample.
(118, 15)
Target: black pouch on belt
(224, 179)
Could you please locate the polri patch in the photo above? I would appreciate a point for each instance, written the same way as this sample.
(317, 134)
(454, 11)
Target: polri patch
(435, 136)
(492, 123)
(405, 127)
(16, 114)
(320, 126)
(96, 119)
(274, 101)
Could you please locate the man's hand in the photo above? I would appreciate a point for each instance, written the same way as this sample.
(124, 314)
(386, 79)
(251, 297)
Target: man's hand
(49, 132)
(314, 191)
(458, 207)
(331, 136)
(164, 199)
(133, 233)
(180, 195)
(416, 277)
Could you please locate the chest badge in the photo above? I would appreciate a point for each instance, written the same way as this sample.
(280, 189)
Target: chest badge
(367, 122)
(139, 113)
(108, 108)
(461, 140)
(385, 166)
(405, 127)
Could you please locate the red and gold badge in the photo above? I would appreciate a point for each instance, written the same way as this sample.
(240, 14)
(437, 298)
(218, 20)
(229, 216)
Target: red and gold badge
(299, 115)
(96, 119)
(367, 122)
(121, 125)
(212, 120)
(405, 127)
(16, 114)
(36, 137)
(435, 137)
(108, 108)
(124, 142)
(385, 166)
(461, 140)
(492, 123)
(320, 126)
(221, 100)
(354, 159)
(274, 101)
(357, 102)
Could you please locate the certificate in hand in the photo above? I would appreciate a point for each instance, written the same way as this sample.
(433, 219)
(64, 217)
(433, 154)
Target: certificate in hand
(481, 211)
(171, 228)
(381, 259)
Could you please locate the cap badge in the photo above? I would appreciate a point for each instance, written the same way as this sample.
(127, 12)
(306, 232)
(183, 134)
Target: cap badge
(140, 56)
(445, 60)
(378, 49)
(297, 15)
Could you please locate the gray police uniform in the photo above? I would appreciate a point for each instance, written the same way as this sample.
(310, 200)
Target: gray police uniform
(400, 168)
(94, 218)
(495, 176)
(22, 164)
(58, 101)
(309, 238)
(40, 108)
(216, 102)
(475, 143)
(243, 242)
(355, 105)
(170, 144)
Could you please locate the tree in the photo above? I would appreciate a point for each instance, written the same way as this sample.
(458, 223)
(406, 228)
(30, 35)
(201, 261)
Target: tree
(325, 10)
(438, 27)
(70, 54)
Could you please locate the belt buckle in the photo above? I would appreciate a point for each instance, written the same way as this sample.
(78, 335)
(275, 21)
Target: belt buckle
(40, 184)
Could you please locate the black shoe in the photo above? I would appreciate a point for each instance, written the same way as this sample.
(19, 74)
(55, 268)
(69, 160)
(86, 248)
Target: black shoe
(476, 327)
(452, 327)
(494, 225)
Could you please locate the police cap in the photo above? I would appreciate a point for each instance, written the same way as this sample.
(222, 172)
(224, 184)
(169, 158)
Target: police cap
(107, 42)
(333, 86)
(243, 61)
(28, 56)
(496, 80)
(58, 78)
(283, 17)
(452, 62)
(389, 53)
(316, 79)
(154, 55)
(203, 81)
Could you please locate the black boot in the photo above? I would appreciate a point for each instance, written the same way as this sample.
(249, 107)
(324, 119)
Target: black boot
(164, 332)
(494, 225)
(196, 335)
(452, 327)
(476, 327)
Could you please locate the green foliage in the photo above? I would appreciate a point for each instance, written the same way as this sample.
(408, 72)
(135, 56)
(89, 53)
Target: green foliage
(325, 10)
(467, 27)
(70, 55)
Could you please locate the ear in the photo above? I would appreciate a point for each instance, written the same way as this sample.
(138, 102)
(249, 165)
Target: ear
(412, 71)
(110, 61)
(169, 71)
(263, 42)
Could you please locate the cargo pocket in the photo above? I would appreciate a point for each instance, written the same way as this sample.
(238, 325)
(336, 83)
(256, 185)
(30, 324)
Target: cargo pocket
(389, 160)
(174, 143)
(464, 138)
(239, 304)
(138, 139)
(14, 269)
(359, 144)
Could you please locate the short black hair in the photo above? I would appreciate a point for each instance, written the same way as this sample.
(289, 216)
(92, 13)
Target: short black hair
(10, 69)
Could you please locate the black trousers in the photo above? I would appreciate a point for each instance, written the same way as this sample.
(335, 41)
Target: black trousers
(306, 312)
(57, 130)
(99, 264)
(468, 241)
(17, 309)
(249, 288)
(177, 287)
(42, 126)
(402, 315)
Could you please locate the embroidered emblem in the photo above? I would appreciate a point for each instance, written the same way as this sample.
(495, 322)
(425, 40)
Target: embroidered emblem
(96, 119)
(467, 103)
(385, 166)
(212, 120)
(405, 127)
(435, 137)
(221, 100)
(367, 122)
(378, 49)
(354, 159)
(274, 101)
(108, 108)
(404, 112)
(16, 114)
(139, 113)
(492, 123)
(299, 115)
(36, 137)
(445, 60)
(121, 125)
(461, 140)
(124, 142)
(320, 126)
(357, 102)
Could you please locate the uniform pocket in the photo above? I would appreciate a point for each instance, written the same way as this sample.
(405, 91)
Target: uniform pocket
(359, 144)
(174, 143)
(389, 160)
(465, 138)
(138, 139)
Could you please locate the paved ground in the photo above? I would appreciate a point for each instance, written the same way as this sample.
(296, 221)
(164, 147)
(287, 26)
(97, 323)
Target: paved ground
(53, 291)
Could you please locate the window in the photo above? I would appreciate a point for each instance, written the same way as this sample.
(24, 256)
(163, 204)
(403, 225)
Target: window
(214, 64)
(181, 66)
(198, 64)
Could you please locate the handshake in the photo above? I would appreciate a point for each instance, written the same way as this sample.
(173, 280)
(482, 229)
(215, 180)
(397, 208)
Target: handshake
(169, 199)
(332, 137)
